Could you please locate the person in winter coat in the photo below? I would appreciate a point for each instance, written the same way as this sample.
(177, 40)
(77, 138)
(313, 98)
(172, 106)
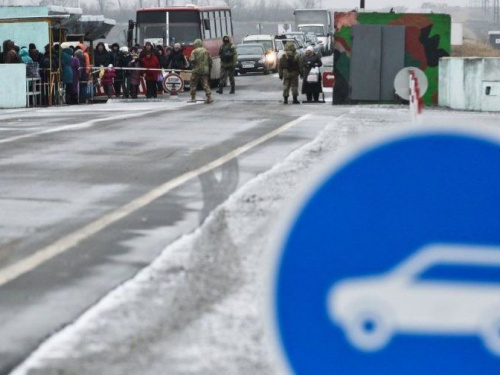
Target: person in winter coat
(101, 56)
(35, 55)
(82, 72)
(67, 71)
(49, 61)
(135, 75)
(289, 69)
(162, 58)
(25, 55)
(150, 61)
(75, 87)
(9, 53)
(86, 57)
(309, 61)
(201, 63)
(228, 61)
(176, 58)
(124, 74)
(107, 80)
(148, 47)
(115, 55)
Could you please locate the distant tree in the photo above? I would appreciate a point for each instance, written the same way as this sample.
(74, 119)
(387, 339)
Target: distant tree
(236, 4)
(307, 4)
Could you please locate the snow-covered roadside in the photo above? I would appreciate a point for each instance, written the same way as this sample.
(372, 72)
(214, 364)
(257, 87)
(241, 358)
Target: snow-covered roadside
(197, 309)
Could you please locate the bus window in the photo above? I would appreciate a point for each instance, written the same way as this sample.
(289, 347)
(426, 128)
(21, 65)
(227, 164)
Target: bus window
(151, 32)
(224, 23)
(221, 27)
(213, 25)
(207, 26)
(184, 27)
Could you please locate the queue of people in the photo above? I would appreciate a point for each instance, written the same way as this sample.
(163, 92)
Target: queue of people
(120, 69)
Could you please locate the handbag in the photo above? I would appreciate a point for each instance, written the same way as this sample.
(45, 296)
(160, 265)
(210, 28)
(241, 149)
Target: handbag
(160, 77)
(313, 76)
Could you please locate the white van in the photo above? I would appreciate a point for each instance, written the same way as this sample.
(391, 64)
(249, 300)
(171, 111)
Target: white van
(270, 46)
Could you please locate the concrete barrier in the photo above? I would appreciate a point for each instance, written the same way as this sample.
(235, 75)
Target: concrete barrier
(13, 78)
(471, 84)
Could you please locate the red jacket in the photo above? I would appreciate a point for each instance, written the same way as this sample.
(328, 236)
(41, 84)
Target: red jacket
(109, 74)
(151, 63)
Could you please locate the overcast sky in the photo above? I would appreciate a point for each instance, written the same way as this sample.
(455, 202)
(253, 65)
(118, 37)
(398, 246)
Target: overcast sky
(375, 4)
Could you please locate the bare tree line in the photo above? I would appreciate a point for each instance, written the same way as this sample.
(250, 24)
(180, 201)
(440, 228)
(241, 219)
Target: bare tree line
(260, 10)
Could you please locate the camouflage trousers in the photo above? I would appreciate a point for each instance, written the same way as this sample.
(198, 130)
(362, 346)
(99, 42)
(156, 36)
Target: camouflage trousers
(195, 79)
(224, 74)
(293, 83)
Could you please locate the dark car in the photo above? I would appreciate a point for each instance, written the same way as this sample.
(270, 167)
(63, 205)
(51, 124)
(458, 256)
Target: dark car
(252, 58)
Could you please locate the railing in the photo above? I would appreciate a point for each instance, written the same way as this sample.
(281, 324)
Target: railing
(33, 92)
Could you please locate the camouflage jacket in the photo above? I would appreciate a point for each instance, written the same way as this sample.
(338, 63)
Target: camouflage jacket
(290, 67)
(201, 61)
(228, 55)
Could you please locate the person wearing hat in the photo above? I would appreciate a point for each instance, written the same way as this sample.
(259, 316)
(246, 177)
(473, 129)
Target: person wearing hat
(289, 69)
(152, 64)
(123, 73)
(228, 61)
(311, 86)
(176, 58)
(114, 59)
(67, 71)
(107, 80)
(82, 76)
(25, 55)
(101, 56)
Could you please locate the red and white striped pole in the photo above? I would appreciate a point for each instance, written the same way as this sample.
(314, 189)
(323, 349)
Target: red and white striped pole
(416, 102)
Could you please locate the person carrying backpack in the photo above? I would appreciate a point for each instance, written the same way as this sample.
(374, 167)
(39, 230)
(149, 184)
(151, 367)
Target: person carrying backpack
(228, 60)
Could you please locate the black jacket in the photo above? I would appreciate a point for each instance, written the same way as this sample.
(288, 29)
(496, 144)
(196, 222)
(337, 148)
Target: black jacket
(176, 60)
(101, 58)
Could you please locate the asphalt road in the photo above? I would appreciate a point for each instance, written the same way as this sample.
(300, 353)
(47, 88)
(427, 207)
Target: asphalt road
(89, 195)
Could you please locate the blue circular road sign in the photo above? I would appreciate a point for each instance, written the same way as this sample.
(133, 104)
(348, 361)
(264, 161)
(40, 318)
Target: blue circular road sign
(392, 264)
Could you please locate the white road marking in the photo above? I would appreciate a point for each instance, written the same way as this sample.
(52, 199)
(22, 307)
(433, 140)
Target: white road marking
(43, 255)
(83, 125)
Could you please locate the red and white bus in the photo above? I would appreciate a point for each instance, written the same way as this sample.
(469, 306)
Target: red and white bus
(185, 24)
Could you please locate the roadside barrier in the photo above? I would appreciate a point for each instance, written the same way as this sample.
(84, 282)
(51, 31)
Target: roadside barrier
(100, 91)
(328, 79)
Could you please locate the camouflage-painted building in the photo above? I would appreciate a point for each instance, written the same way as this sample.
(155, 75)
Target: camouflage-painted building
(427, 39)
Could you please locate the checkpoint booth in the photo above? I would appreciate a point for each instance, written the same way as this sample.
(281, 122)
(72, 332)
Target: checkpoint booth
(26, 89)
(42, 26)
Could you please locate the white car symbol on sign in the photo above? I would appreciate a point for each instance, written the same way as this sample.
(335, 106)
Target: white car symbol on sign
(371, 310)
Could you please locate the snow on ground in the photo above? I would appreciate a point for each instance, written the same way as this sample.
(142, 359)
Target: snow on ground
(198, 309)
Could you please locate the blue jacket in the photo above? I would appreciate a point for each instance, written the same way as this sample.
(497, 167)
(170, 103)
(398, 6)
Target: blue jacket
(67, 71)
(25, 56)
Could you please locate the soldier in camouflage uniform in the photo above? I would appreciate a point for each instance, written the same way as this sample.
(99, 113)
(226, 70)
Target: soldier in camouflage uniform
(290, 68)
(228, 61)
(201, 63)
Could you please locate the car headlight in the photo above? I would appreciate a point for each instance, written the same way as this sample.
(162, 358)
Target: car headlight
(261, 61)
(270, 58)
